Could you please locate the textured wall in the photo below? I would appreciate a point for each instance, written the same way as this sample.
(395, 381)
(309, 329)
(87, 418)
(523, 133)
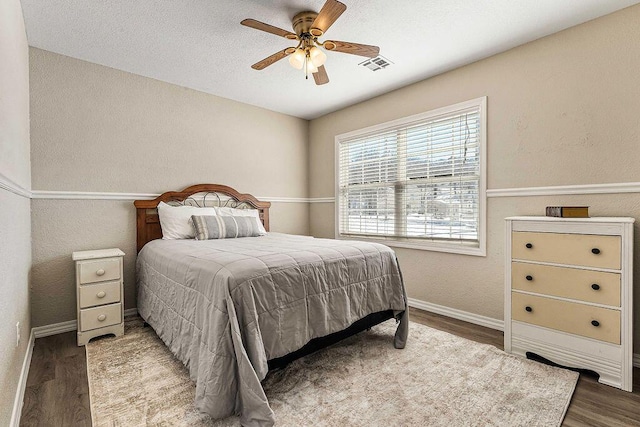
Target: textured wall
(96, 129)
(15, 226)
(561, 110)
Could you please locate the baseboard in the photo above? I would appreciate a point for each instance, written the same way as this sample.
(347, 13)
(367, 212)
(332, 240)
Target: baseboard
(131, 312)
(476, 319)
(22, 384)
(55, 328)
(68, 326)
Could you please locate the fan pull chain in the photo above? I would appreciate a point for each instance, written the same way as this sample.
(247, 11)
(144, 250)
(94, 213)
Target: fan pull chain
(306, 68)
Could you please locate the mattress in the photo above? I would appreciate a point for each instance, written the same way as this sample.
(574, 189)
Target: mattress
(225, 307)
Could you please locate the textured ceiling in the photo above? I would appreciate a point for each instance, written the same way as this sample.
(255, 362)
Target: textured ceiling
(201, 44)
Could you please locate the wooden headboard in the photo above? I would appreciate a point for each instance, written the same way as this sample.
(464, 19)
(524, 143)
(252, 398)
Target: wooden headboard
(148, 223)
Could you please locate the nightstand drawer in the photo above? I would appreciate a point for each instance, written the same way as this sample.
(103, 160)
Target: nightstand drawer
(100, 294)
(99, 317)
(99, 270)
(588, 250)
(588, 321)
(584, 285)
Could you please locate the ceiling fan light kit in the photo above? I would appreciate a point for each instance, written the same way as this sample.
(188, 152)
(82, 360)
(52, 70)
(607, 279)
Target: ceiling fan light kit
(297, 58)
(317, 56)
(310, 68)
(308, 54)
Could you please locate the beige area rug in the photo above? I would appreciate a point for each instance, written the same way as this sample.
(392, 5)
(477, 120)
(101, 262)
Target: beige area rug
(437, 380)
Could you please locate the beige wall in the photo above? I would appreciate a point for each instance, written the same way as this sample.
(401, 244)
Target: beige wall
(96, 129)
(562, 110)
(15, 226)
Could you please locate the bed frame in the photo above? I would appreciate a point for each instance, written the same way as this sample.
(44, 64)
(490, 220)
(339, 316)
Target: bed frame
(148, 228)
(148, 223)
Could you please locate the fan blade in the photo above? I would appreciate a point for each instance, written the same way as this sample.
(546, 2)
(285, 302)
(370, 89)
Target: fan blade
(269, 60)
(321, 76)
(352, 48)
(329, 13)
(252, 23)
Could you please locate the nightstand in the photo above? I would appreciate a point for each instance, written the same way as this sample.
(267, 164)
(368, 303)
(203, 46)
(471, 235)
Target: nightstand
(99, 293)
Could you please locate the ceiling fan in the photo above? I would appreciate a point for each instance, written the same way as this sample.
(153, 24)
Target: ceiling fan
(308, 55)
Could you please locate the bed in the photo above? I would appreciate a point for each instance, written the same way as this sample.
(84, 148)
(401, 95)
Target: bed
(232, 309)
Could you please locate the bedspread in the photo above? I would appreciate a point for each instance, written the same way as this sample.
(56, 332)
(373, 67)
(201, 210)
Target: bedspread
(226, 307)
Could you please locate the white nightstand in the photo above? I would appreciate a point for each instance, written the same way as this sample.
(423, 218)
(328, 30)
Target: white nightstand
(99, 293)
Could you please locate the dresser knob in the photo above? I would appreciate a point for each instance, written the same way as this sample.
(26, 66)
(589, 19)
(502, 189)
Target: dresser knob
(529, 309)
(528, 245)
(529, 278)
(104, 316)
(595, 287)
(101, 294)
(100, 272)
(595, 323)
(595, 251)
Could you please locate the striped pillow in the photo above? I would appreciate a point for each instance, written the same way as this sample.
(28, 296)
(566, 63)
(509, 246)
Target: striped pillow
(224, 227)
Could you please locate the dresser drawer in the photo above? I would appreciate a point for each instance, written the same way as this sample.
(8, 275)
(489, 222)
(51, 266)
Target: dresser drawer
(584, 285)
(587, 250)
(99, 294)
(567, 316)
(99, 317)
(99, 270)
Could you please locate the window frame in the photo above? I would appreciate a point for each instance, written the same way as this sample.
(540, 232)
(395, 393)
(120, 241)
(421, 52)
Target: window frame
(437, 246)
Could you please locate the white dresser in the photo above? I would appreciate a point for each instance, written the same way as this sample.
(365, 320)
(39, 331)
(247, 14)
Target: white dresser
(569, 293)
(99, 293)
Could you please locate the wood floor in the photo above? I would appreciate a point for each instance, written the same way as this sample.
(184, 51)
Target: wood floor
(57, 392)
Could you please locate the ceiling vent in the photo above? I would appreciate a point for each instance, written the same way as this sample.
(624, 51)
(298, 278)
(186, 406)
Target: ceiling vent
(377, 63)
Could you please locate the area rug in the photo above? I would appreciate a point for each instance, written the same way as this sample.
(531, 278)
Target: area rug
(438, 380)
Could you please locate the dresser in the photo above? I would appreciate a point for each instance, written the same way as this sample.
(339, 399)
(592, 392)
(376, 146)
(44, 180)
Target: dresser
(99, 293)
(569, 293)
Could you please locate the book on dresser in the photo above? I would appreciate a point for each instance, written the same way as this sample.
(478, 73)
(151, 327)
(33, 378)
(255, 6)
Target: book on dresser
(569, 293)
(568, 211)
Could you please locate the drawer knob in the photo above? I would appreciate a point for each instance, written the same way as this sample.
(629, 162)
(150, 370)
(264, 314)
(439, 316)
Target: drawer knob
(101, 294)
(595, 323)
(595, 287)
(529, 278)
(104, 316)
(528, 245)
(595, 251)
(529, 309)
(100, 272)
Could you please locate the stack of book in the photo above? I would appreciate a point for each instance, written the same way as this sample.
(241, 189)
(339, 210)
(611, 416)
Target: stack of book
(568, 211)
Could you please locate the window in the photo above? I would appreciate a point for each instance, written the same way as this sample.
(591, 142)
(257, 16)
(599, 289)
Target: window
(417, 182)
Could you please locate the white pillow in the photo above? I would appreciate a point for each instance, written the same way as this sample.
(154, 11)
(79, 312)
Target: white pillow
(243, 212)
(176, 220)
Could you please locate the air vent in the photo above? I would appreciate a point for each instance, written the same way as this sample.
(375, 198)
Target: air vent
(377, 63)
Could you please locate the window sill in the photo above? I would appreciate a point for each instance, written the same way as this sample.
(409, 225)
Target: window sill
(433, 247)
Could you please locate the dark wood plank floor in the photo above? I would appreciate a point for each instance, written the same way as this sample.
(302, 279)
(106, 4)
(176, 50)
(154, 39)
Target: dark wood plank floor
(57, 392)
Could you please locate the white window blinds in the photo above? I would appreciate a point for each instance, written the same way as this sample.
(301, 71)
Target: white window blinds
(419, 179)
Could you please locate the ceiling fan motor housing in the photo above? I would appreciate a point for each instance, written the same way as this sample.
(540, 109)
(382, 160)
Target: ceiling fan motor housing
(302, 24)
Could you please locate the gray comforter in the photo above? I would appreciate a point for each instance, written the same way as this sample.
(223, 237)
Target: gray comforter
(226, 307)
